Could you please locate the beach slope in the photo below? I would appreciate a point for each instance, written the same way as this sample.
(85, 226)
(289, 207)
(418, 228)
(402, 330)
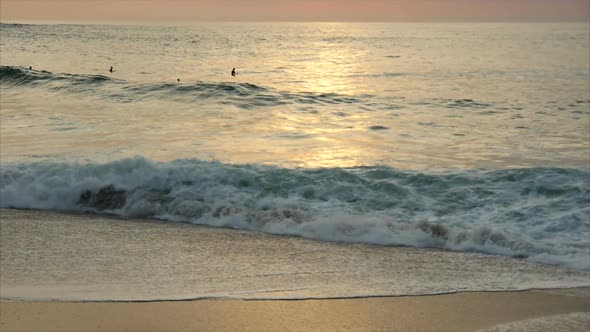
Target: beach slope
(450, 312)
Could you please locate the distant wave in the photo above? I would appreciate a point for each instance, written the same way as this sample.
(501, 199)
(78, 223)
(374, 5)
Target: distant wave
(16, 76)
(12, 25)
(243, 95)
(539, 213)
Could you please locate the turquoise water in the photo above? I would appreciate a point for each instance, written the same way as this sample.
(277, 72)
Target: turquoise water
(536, 213)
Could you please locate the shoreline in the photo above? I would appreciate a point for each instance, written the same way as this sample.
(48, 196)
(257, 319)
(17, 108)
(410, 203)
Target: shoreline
(464, 311)
(578, 291)
(89, 215)
(240, 263)
(201, 262)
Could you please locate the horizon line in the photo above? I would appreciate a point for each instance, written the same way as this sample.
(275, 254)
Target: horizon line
(72, 22)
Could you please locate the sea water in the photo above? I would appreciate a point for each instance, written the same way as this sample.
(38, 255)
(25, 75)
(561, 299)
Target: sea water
(473, 138)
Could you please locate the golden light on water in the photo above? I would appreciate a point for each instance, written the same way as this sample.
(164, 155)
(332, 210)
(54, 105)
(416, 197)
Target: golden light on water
(330, 63)
(327, 95)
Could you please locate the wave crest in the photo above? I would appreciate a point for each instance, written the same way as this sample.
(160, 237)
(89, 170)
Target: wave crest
(19, 76)
(242, 95)
(538, 213)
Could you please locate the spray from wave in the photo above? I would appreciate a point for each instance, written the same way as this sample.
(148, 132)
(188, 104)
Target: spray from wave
(542, 214)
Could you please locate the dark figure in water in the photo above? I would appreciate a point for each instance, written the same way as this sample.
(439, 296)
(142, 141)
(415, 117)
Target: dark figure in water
(111, 70)
(30, 67)
(233, 72)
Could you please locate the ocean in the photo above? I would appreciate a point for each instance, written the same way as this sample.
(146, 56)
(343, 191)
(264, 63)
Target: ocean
(343, 159)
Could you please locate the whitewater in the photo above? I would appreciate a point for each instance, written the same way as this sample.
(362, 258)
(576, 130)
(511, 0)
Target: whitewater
(469, 141)
(540, 214)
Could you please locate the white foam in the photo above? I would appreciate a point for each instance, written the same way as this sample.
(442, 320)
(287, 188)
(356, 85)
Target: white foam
(82, 257)
(577, 321)
(537, 214)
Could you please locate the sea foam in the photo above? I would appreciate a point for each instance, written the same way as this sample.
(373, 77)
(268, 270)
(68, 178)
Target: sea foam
(540, 213)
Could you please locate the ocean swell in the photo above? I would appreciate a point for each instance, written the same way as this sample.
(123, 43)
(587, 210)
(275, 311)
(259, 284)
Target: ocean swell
(242, 95)
(540, 213)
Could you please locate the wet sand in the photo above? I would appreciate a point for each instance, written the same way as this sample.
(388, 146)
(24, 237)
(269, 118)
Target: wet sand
(65, 247)
(450, 312)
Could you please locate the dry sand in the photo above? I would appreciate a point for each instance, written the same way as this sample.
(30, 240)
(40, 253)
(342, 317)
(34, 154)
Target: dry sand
(450, 312)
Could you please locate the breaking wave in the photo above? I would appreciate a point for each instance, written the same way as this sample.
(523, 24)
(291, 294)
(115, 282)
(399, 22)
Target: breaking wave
(541, 214)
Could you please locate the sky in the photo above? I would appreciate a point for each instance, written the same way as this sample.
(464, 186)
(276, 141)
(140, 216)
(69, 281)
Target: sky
(292, 10)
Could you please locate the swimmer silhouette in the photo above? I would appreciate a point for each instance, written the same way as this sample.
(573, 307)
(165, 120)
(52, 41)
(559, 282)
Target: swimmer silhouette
(233, 72)
(111, 70)
(30, 67)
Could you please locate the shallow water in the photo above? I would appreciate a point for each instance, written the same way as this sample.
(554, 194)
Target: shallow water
(51, 256)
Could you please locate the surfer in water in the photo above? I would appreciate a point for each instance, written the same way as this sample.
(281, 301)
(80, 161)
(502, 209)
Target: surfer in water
(233, 72)
(111, 70)
(30, 67)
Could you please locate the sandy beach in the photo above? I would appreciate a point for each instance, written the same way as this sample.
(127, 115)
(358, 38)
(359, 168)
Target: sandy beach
(451, 312)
